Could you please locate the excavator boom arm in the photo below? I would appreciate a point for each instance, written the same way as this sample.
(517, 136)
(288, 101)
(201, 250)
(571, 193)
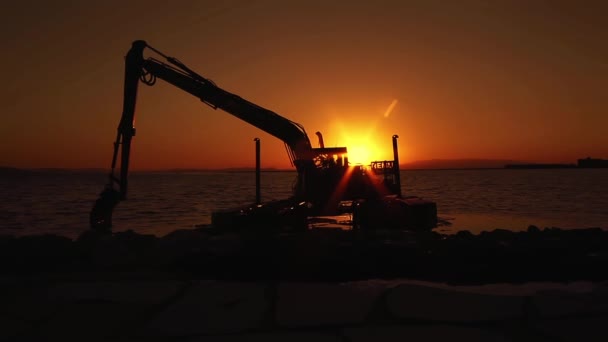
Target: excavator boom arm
(176, 73)
(288, 131)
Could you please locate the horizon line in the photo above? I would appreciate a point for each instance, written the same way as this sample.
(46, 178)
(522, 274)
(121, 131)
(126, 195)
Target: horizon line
(415, 165)
(102, 170)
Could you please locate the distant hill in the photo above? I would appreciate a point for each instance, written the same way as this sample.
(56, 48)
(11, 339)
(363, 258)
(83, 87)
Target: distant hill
(459, 164)
(12, 171)
(68, 170)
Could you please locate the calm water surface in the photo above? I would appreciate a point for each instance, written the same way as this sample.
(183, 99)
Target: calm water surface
(475, 200)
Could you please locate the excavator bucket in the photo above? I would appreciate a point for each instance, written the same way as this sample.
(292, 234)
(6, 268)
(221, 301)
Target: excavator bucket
(101, 214)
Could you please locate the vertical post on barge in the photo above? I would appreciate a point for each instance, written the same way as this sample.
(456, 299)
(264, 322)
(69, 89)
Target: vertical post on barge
(396, 165)
(258, 196)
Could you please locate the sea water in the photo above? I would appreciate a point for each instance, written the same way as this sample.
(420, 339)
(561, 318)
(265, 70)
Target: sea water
(58, 202)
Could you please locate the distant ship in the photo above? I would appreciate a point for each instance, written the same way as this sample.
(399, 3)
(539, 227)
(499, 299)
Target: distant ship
(592, 162)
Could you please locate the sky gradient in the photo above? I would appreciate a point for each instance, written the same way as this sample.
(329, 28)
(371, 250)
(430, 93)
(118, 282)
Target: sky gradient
(520, 80)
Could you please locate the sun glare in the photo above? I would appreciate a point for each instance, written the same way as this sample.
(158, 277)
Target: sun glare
(367, 136)
(359, 155)
(365, 148)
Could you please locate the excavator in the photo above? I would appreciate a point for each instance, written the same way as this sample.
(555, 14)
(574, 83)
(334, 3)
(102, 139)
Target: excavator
(325, 179)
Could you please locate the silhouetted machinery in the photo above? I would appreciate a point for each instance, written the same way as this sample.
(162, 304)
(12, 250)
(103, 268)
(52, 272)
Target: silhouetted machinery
(325, 180)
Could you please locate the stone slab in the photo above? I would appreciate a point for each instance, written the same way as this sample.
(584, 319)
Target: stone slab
(318, 304)
(151, 292)
(26, 301)
(212, 308)
(559, 304)
(588, 329)
(421, 334)
(10, 328)
(272, 337)
(435, 304)
(91, 322)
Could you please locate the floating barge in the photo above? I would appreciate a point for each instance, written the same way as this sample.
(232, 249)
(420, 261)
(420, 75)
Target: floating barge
(370, 196)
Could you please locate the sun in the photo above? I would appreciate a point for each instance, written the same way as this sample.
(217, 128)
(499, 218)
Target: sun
(364, 147)
(360, 155)
(366, 136)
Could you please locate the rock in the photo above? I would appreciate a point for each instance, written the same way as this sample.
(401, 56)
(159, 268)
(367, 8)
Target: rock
(121, 251)
(532, 229)
(135, 240)
(499, 234)
(464, 234)
(35, 253)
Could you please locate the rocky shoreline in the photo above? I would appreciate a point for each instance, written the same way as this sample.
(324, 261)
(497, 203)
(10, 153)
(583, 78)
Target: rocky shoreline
(327, 255)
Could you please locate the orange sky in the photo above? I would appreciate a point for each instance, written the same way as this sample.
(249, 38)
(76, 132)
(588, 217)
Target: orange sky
(472, 79)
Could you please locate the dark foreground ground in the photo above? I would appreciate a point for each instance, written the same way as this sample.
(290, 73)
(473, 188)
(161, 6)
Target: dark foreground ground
(321, 285)
(321, 255)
